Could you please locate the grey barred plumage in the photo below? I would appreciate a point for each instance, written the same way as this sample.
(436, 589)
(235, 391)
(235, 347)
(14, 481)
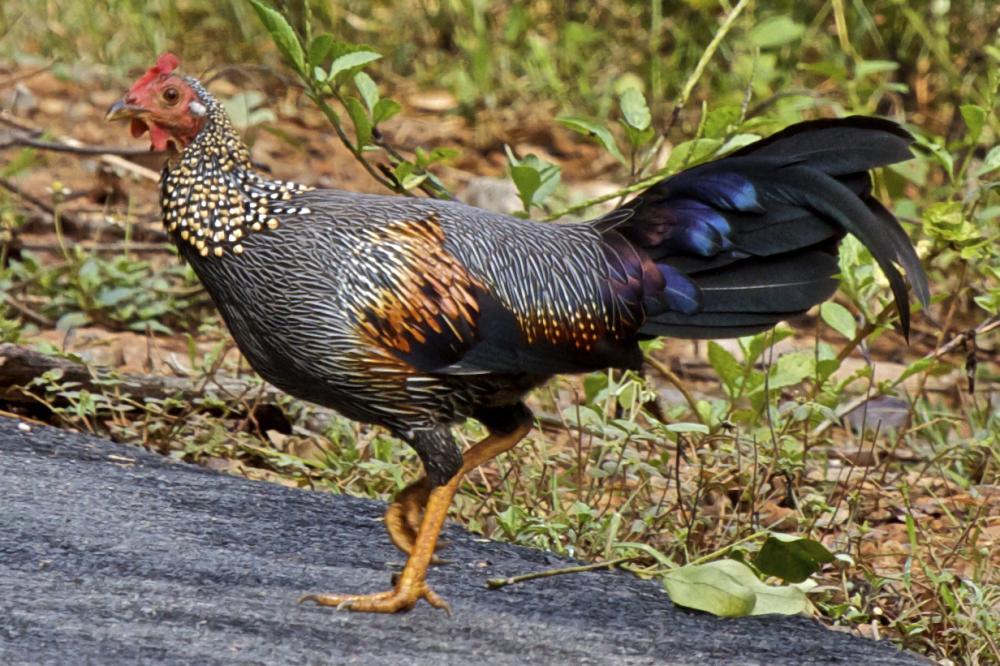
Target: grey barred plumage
(415, 313)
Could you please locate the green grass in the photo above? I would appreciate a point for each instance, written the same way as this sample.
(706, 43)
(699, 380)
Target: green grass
(605, 478)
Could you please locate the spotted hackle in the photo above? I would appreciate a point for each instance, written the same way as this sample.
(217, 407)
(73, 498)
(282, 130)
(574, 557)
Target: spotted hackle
(211, 196)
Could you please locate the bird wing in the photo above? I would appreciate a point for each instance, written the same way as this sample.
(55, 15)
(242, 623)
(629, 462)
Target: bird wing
(450, 296)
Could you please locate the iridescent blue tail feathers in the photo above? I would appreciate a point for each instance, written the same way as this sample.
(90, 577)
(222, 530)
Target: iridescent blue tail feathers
(746, 241)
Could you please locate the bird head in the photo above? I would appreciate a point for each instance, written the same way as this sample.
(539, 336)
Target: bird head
(164, 104)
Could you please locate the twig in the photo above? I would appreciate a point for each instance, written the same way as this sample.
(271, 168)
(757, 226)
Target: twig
(118, 247)
(331, 116)
(20, 366)
(431, 187)
(699, 69)
(28, 313)
(41, 204)
(635, 187)
(21, 76)
(986, 327)
(111, 160)
(79, 149)
(678, 383)
(497, 583)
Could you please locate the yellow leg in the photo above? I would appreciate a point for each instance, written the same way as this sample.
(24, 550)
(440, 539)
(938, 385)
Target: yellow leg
(405, 513)
(403, 517)
(411, 585)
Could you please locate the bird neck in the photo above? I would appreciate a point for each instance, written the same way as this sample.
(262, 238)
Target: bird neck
(210, 194)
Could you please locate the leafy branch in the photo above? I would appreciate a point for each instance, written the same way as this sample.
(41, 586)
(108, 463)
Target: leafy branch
(330, 68)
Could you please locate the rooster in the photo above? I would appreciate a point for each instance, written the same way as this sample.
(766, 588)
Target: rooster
(416, 314)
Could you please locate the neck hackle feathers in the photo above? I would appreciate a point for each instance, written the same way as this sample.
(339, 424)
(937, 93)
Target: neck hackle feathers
(210, 194)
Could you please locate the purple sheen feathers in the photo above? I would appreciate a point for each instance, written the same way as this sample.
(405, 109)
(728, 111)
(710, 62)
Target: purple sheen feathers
(682, 294)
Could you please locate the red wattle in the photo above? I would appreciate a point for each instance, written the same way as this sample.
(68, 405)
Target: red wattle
(159, 137)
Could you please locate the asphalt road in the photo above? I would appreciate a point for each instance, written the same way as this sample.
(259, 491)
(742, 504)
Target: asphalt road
(111, 555)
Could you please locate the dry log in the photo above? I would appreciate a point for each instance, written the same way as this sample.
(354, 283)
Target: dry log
(20, 366)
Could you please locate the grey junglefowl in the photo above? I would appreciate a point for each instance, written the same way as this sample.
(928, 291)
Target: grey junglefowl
(415, 314)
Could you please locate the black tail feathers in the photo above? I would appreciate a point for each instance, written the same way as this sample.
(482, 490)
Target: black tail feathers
(753, 236)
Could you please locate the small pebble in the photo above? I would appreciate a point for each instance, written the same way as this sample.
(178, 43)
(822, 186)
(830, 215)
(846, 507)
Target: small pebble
(24, 427)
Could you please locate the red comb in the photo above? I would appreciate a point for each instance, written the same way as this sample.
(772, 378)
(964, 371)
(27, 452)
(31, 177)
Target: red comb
(165, 64)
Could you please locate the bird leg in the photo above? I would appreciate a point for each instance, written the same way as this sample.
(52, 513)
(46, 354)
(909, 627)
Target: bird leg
(411, 584)
(403, 517)
(405, 513)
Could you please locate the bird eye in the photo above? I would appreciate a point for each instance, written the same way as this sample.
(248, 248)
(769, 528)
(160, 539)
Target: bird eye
(171, 95)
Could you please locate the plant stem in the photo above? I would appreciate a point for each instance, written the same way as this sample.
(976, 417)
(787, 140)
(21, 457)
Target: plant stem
(331, 115)
(699, 69)
(679, 104)
(497, 583)
(678, 383)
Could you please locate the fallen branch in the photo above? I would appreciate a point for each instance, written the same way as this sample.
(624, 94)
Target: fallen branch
(65, 217)
(20, 366)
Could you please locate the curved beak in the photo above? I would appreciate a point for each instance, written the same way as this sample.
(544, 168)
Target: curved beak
(121, 110)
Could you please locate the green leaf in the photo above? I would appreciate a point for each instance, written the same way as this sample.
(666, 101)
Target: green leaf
(721, 588)
(362, 123)
(728, 588)
(790, 369)
(737, 141)
(914, 368)
(947, 221)
(725, 365)
(869, 67)
(975, 119)
(720, 120)
(687, 427)
(320, 49)
(600, 133)
(439, 154)
(690, 153)
(634, 109)
(942, 155)
(281, 32)
(593, 384)
(384, 109)
(535, 179)
(72, 320)
(991, 163)
(349, 61)
(775, 31)
(755, 345)
(780, 600)
(791, 558)
(367, 89)
(839, 319)
(527, 180)
(408, 175)
(114, 296)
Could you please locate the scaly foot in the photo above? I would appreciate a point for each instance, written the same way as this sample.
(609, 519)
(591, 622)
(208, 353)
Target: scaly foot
(404, 597)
